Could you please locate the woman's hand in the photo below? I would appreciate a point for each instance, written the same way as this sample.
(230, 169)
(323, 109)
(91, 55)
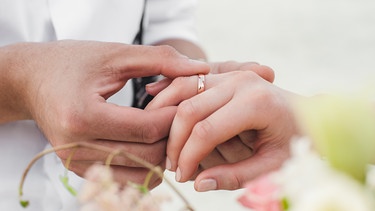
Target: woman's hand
(234, 104)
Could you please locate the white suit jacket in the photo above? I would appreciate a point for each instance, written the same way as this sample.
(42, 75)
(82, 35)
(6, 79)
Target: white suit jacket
(48, 20)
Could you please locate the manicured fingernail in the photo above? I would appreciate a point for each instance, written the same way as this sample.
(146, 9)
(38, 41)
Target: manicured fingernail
(168, 164)
(178, 175)
(152, 84)
(198, 61)
(206, 185)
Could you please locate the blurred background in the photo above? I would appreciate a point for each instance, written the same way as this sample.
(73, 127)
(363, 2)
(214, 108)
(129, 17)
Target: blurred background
(314, 46)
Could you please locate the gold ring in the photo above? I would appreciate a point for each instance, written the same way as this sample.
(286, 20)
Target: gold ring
(201, 80)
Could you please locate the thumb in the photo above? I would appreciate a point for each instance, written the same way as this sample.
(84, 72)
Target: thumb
(234, 176)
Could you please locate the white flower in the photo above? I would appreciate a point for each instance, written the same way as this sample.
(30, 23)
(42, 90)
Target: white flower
(304, 170)
(339, 193)
(102, 193)
(98, 179)
(310, 184)
(370, 177)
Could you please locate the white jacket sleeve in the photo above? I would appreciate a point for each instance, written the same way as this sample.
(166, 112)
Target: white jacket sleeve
(166, 19)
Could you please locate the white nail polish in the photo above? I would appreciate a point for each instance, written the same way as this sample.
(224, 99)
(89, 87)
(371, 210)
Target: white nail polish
(168, 164)
(206, 185)
(178, 175)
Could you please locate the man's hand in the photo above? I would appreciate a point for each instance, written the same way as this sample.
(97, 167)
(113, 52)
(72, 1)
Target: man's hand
(64, 86)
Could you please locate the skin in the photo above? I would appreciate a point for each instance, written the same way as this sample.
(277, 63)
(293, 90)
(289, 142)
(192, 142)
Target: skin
(235, 150)
(187, 48)
(238, 110)
(64, 85)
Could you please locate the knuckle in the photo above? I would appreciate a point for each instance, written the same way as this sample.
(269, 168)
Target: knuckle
(244, 80)
(186, 109)
(247, 65)
(236, 183)
(230, 182)
(72, 125)
(261, 70)
(248, 75)
(167, 51)
(151, 133)
(243, 75)
(265, 96)
(203, 129)
(151, 153)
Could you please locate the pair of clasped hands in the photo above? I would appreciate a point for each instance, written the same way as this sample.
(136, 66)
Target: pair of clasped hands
(230, 126)
(233, 131)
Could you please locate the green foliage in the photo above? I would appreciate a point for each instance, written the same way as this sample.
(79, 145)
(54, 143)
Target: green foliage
(24, 203)
(343, 131)
(65, 182)
(284, 204)
(143, 189)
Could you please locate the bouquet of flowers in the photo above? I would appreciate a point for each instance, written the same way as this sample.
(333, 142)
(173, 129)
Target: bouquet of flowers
(328, 170)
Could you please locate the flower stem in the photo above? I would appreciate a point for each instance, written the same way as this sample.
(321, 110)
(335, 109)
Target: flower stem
(112, 153)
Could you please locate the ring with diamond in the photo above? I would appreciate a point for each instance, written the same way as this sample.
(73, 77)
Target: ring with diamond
(201, 83)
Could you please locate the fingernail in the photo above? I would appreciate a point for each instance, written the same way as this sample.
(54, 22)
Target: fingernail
(152, 84)
(206, 185)
(178, 175)
(198, 61)
(168, 164)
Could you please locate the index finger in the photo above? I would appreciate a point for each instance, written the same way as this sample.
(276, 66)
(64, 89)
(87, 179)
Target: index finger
(120, 123)
(132, 61)
(263, 71)
(207, 134)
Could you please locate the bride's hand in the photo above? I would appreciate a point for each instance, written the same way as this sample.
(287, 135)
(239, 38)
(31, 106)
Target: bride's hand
(233, 103)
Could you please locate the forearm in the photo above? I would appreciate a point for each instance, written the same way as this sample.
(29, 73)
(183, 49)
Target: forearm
(185, 47)
(11, 84)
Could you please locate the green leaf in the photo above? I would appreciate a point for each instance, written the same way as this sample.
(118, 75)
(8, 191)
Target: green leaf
(24, 203)
(65, 182)
(343, 130)
(284, 204)
(143, 189)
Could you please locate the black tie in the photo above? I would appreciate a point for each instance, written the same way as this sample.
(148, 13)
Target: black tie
(141, 98)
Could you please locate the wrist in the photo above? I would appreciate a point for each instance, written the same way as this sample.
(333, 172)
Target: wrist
(12, 85)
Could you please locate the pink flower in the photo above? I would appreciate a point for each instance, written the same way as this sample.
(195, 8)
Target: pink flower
(261, 195)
